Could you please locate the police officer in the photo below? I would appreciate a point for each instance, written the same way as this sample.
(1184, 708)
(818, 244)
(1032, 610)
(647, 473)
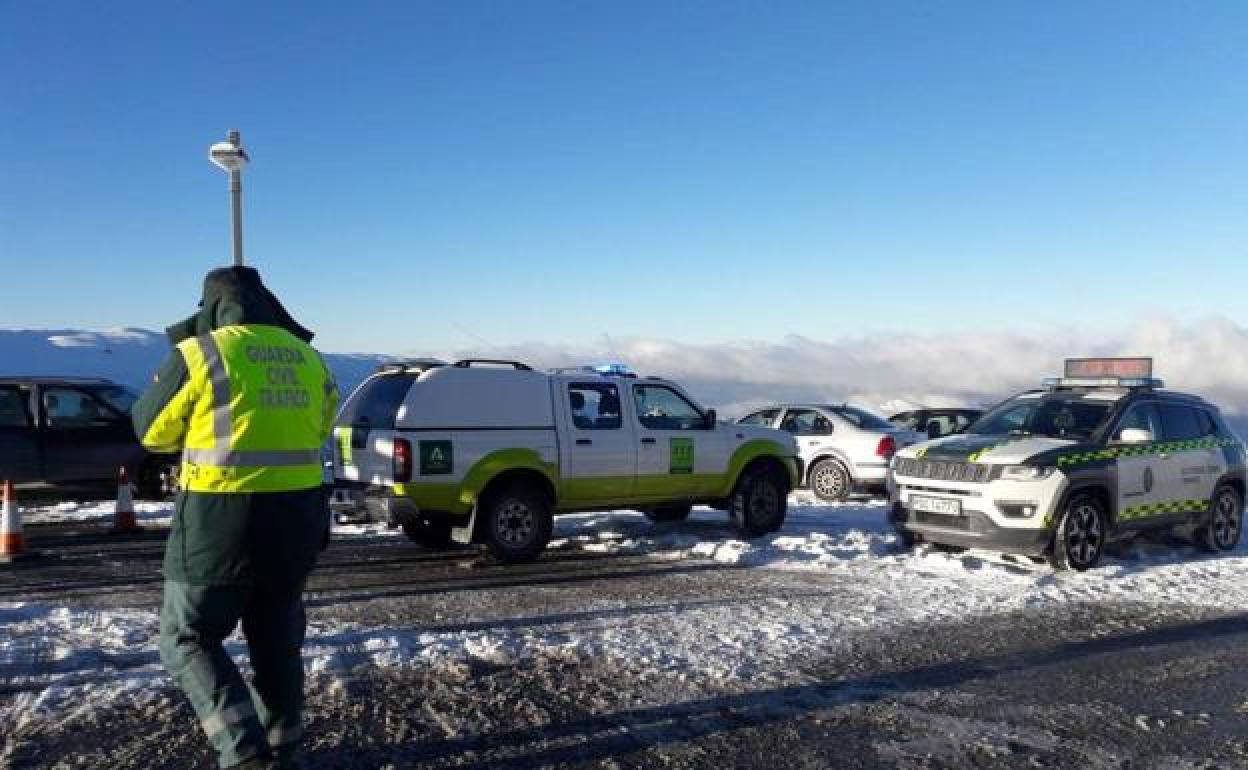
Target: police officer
(249, 403)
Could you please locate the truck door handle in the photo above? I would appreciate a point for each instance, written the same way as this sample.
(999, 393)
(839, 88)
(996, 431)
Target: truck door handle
(648, 441)
(584, 442)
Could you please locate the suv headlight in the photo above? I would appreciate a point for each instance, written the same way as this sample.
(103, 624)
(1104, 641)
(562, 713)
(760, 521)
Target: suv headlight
(1026, 472)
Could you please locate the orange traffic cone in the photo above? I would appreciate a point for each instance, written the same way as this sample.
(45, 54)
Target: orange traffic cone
(12, 543)
(123, 513)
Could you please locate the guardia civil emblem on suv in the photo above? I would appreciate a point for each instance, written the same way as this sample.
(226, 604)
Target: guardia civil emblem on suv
(1059, 472)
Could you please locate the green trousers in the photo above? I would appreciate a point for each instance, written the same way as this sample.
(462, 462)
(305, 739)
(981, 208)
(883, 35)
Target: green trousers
(241, 720)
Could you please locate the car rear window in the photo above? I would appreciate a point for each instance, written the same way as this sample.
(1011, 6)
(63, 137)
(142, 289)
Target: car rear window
(376, 401)
(862, 418)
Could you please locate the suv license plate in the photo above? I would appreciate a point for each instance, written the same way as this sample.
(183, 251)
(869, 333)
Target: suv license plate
(936, 505)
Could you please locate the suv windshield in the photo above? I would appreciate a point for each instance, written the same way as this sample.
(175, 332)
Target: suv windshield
(1065, 415)
(862, 418)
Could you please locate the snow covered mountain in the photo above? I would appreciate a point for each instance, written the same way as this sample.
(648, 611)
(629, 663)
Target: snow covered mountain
(128, 356)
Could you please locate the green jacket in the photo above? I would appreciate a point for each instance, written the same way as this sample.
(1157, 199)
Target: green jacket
(235, 521)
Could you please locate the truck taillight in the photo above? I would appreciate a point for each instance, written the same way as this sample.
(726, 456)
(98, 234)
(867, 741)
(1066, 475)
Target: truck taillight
(402, 460)
(886, 448)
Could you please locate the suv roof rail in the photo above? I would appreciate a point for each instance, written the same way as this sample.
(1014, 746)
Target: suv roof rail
(410, 364)
(466, 363)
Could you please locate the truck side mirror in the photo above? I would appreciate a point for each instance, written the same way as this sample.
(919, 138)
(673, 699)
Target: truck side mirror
(711, 418)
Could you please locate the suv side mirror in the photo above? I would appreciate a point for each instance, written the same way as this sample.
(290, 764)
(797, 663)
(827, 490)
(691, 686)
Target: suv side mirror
(711, 417)
(1135, 436)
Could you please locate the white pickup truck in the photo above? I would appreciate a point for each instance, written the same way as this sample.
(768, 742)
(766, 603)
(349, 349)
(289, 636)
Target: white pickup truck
(489, 451)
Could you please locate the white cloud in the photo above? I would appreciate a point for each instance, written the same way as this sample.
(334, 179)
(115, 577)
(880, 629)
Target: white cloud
(890, 371)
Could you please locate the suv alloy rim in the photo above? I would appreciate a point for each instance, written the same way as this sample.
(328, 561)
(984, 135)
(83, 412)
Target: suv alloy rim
(1083, 534)
(1226, 520)
(829, 481)
(515, 524)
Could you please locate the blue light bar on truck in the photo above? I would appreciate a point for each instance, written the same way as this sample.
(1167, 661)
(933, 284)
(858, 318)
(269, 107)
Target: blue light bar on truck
(614, 370)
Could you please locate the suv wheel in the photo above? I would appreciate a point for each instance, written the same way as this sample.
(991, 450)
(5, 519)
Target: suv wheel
(668, 513)
(429, 532)
(1079, 541)
(830, 481)
(1226, 522)
(759, 502)
(517, 524)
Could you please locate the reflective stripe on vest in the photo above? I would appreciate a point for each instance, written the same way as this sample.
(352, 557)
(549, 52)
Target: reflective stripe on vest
(222, 425)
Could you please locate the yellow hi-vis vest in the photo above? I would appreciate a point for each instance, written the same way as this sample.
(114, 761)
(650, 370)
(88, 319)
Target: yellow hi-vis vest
(261, 404)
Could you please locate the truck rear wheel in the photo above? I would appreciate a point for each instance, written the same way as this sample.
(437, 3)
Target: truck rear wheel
(517, 523)
(760, 502)
(429, 532)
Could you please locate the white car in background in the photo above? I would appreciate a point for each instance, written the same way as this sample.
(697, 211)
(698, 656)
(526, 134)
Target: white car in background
(845, 449)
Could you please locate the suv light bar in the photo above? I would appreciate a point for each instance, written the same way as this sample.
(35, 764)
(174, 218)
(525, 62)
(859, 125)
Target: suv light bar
(1103, 382)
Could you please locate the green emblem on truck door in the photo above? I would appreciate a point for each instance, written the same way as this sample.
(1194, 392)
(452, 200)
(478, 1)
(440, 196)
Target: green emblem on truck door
(682, 455)
(435, 458)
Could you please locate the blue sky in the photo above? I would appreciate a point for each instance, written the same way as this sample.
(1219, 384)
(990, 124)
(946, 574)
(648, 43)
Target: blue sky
(429, 175)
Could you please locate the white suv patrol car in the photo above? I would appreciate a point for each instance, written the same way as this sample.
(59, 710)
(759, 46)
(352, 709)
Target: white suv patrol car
(487, 451)
(1100, 453)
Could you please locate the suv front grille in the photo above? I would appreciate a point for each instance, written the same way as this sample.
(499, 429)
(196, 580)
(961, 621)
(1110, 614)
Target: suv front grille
(942, 470)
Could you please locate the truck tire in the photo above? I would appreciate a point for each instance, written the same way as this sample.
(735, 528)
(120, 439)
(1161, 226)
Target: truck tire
(516, 524)
(429, 532)
(1079, 541)
(829, 479)
(668, 513)
(759, 502)
(1226, 521)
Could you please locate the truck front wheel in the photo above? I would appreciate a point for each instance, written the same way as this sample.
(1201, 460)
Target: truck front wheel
(760, 502)
(517, 523)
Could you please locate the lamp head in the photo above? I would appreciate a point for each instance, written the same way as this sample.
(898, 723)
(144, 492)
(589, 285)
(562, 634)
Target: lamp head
(229, 155)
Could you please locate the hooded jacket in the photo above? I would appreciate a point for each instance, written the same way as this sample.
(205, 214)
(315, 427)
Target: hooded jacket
(222, 538)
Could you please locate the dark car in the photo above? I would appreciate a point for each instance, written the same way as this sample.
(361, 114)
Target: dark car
(75, 432)
(936, 422)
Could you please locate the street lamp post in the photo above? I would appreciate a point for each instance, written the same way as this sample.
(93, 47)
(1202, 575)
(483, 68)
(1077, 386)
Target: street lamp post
(230, 157)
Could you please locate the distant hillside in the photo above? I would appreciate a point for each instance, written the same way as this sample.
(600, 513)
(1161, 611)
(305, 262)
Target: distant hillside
(129, 356)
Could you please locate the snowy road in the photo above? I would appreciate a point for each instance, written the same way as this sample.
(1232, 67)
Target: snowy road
(635, 645)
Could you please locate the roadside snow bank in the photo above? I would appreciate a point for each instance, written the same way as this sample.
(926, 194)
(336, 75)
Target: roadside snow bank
(156, 514)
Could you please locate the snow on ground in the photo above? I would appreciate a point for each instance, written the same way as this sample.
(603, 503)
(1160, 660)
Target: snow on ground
(155, 514)
(77, 658)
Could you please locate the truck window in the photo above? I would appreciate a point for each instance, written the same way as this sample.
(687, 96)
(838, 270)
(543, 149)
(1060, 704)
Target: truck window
(661, 408)
(595, 406)
(376, 402)
(13, 412)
